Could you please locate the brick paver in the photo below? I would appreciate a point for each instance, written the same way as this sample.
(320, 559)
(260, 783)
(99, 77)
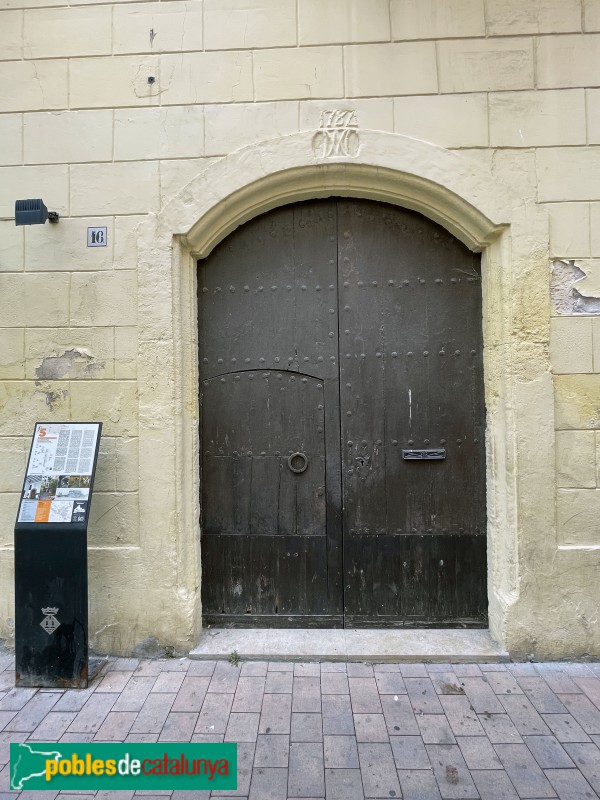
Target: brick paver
(332, 731)
(337, 715)
(306, 770)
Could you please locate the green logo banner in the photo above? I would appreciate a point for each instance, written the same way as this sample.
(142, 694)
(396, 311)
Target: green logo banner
(94, 766)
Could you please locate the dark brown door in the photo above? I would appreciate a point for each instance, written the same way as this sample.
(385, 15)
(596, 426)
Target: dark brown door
(343, 459)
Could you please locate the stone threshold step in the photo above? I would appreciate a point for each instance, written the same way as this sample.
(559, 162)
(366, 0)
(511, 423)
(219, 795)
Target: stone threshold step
(382, 645)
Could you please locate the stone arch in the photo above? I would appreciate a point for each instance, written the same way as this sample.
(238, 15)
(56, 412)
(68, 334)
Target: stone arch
(395, 169)
(447, 186)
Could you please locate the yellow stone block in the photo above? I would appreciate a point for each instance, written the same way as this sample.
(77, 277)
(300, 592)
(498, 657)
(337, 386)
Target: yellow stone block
(591, 9)
(11, 136)
(157, 27)
(596, 343)
(228, 127)
(114, 520)
(12, 354)
(24, 403)
(177, 173)
(577, 402)
(571, 173)
(450, 120)
(593, 115)
(516, 168)
(343, 21)
(390, 69)
(243, 24)
(11, 35)
(34, 299)
(576, 459)
(125, 241)
(114, 403)
(169, 132)
(30, 3)
(578, 511)
(127, 464)
(155, 364)
(157, 454)
(569, 230)
(69, 353)
(46, 299)
(114, 82)
(12, 300)
(119, 188)
(291, 73)
(104, 298)
(506, 17)
(68, 136)
(64, 32)
(33, 85)
(571, 344)
(11, 247)
(155, 411)
(13, 462)
(105, 479)
(430, 19)
(595, 229)
(126, 350)
(537, 119)
(223, 77)
(485, 65)
(563, 61)
(9, 506)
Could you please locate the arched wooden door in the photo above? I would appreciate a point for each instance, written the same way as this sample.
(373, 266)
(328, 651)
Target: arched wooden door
(342, 422)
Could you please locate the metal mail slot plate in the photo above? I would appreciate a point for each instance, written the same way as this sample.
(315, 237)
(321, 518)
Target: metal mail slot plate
(424, 455)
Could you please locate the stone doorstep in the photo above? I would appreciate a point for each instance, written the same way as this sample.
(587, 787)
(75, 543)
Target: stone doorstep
(379, 646)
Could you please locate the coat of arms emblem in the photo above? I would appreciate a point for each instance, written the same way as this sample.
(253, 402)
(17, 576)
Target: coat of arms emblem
(50, 623)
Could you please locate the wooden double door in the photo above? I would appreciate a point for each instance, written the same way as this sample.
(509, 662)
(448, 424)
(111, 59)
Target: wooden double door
(342, 422)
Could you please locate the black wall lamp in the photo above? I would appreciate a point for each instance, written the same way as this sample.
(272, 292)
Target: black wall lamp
(33, 212)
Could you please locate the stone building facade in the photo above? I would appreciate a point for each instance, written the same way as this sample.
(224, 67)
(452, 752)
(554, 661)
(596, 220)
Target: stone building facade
(171, 123)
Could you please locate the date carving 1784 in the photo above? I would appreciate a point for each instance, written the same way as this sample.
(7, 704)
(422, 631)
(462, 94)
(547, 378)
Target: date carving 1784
(337, 134)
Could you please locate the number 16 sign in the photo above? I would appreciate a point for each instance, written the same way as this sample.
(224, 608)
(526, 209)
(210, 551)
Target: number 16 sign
(97, 237)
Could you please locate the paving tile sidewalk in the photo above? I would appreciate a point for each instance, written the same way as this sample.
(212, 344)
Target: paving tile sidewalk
(337, 731)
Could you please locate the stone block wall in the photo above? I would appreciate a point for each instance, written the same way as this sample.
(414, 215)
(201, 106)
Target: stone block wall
(107, 110)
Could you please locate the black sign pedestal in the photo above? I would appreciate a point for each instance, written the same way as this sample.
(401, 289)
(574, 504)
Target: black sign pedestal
(51, 583)
(51, 605)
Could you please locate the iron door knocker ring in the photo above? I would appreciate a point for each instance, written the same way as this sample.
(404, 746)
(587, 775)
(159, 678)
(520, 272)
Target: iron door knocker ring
(303, 465)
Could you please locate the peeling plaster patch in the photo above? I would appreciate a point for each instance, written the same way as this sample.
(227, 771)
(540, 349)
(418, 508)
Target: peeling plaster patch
(75, 363)
(566, 298)
(53, 397)
(589, 286)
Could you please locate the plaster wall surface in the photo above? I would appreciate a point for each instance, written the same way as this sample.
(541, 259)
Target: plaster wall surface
(110, 110)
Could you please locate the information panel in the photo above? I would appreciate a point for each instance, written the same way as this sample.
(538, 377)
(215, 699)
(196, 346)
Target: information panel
(60, 471)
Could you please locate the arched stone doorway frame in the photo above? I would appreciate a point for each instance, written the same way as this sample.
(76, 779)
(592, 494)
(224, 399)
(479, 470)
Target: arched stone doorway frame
(447, 186)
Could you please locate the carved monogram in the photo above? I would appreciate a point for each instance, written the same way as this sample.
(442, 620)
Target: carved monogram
(337, 134)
